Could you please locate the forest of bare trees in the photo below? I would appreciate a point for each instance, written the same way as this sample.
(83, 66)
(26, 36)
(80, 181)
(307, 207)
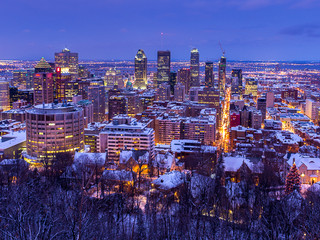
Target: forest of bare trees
(39, 205)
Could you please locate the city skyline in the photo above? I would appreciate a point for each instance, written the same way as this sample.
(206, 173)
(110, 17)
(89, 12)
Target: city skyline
(248, 30)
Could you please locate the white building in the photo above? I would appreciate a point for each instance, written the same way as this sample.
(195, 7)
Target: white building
(126, 133)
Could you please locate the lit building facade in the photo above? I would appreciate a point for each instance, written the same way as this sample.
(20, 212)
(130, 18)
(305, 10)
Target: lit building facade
(184, 78)
(140, 70)
(236, 86)
(117, 105)
(179, 92)
(251, 87)
(23, 79)
(53, 128)
(194, 68)
(4, 96)
(113, 77)
(67, 62)
(163, 63)
(167, 129)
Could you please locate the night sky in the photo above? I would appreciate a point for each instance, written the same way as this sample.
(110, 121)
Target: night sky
(105, 30)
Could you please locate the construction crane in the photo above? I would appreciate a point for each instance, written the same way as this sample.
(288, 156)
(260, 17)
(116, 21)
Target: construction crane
(223, 51)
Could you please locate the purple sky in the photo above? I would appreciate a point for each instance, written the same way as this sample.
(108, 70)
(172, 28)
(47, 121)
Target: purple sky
(105, 29)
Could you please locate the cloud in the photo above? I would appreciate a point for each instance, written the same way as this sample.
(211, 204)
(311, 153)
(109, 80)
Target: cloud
(309, 30)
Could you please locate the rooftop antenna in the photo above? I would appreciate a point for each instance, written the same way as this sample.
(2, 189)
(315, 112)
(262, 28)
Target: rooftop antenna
(222, 50)
(162, 40)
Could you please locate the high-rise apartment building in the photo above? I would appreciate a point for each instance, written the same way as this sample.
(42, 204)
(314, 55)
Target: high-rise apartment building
(140, 70)
(163, 72)
(4, 96)
(67, 62)
(97, 95)
(173, 81)
(53, 128)
(262, 106)
(163, 92)
(194, 68)
(209, 76)
(222, 76)
(126, 133)
(167, 129)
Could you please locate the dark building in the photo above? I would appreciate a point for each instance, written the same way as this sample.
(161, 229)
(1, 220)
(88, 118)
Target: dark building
(236, 85)
(209, 76)
(172, 81)
(194, 68)
(184, 78)
(262, 106)
(16, 95)
(117, 105)
(140, 70)
(163, 73)
(222, 76)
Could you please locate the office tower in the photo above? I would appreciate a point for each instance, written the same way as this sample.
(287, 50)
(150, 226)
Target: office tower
(23, 79)
(270, 99)
(117, 105)
(140, 70)
(43, 83)
(179, 92)
(163, 72)
(97, 95)
(167, 129)
(4, 96)
(61, 81)
(184, 78)
(251, 87)
(67, 62)
(172, 81)
(163, 92)
(194, 68)
(113, 77)
(51, 129)
(222, 76)
(262, 106)
(125, 132)
(209, 76)
(236, 86)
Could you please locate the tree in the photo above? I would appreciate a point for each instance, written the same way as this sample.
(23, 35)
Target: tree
(293, 180)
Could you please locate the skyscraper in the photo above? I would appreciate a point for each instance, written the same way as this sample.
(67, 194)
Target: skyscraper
(23, 79)
(68, 62)
(61, 81)
(140, 70)
(113, 77)
(209, 76)
(117, 105)
(43, 83)
(4, 96)
(97, 95)
(236, 87)
(163, 74)
(194, 68)
(172, 81)
(222, 76)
